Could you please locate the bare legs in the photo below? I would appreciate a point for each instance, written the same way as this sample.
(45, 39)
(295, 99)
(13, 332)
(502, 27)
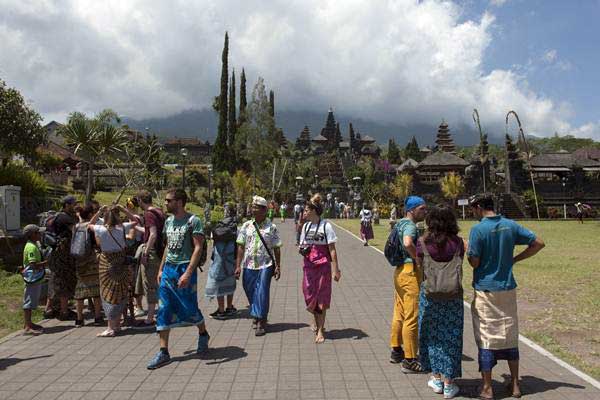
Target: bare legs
(319, 326)
(221, 302)
(97, 308)
(486, 389)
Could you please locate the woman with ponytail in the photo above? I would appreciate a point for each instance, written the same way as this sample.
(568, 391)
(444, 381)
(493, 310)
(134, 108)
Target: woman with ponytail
(317, 246)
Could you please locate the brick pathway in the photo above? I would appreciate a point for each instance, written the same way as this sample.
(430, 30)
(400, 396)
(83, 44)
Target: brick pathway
(285, 364)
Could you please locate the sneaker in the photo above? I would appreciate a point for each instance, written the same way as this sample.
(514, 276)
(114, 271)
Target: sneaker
(260, 331)
(139, 312)
(450, 390)
(230, 311)
(218, 315)
(202, 343)
(411, 366)
(397, 356)
(436, 384)
(159, 360)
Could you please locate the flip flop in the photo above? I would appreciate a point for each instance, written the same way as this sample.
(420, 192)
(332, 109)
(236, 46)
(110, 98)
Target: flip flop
(106, 333)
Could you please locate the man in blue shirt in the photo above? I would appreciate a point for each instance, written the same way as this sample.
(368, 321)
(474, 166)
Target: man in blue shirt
(494, 309)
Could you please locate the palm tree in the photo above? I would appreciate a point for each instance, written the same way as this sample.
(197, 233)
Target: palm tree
(452, 186)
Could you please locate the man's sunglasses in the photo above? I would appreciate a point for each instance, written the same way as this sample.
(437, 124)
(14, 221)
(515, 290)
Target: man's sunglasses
(169, 200)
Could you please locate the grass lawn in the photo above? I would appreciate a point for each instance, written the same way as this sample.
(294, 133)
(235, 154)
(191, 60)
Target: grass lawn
(559, 289)
(11, 301)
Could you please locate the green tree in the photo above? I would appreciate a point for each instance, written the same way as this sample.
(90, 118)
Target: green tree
(253, 140)
(452, 186)
(243, 102)
(412, 150)
(220, 156)
(20, 129)
(393, 155)
(232, 116)
(402, 186)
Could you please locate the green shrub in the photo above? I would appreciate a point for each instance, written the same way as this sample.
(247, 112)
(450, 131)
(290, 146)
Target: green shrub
(32, 184)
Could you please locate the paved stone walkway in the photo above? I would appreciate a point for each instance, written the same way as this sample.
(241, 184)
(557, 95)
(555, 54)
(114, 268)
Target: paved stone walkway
(70, 363)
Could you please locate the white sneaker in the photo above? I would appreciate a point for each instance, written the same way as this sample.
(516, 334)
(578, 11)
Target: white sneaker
(436, 384)
(139, 312)
(450, 390)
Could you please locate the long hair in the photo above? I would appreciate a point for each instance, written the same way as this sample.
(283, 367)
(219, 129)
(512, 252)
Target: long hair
(112, 217)
(316, 203)
(441, 225)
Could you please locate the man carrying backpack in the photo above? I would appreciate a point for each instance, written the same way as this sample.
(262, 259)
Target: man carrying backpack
(151, 255)
(404, 331)
(177, 276)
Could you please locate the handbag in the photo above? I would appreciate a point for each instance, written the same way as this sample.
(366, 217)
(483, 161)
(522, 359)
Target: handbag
(129, 260)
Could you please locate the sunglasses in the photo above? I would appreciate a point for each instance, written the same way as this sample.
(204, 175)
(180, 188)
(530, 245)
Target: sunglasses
(169, 200)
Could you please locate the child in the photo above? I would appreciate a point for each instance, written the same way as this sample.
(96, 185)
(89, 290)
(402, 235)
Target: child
(32, 264)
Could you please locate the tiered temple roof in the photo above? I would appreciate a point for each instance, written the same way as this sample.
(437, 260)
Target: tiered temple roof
(444, 139)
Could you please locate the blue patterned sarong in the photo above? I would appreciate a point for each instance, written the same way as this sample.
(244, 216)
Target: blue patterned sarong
(441, 335)
(177, 307)
(489, 358)
(221, 274)
(257, 285)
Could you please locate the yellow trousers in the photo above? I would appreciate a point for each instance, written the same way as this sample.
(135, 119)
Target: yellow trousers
(405, 322)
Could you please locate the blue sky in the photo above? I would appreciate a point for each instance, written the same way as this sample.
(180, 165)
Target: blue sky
(555, 44)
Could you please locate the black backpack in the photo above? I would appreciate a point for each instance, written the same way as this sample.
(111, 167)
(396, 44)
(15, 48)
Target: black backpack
(394, 247)
(225, 230)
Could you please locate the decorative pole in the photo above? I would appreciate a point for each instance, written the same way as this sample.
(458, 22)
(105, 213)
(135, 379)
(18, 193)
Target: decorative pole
(481, 156)
(528, 154)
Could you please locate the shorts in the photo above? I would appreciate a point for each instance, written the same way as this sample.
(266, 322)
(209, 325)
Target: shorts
(31, 296)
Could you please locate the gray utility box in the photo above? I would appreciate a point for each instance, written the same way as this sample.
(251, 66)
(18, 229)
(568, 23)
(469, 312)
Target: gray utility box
(10, 208)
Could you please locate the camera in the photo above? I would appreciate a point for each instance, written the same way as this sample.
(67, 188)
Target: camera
(304, 250)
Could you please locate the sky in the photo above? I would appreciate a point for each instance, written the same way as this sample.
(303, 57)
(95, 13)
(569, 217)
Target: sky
(401, 62)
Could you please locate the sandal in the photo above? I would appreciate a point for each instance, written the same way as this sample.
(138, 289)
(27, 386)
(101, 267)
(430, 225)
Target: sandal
(512, 394)
(107, 333)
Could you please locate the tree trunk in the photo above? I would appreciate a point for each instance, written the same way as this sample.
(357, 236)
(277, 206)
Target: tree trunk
(90, 180)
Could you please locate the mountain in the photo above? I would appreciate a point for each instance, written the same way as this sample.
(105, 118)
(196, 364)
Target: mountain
(202, 124)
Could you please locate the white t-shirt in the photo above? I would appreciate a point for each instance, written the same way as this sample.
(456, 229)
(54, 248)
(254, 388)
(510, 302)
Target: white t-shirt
(365, 215)
(317, 233)
(116, 242)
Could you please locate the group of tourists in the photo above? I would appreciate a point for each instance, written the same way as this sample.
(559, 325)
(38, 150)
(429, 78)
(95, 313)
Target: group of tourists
(427, 324)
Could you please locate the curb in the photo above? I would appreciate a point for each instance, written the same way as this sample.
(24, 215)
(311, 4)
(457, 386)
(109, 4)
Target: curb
(522, 338)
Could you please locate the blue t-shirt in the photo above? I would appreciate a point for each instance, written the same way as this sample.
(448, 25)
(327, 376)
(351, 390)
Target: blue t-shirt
(493, 241)
(407, 228)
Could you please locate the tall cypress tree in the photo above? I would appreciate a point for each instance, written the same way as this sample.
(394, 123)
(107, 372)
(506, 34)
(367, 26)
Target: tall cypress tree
(243, 101)
(220, 157)
(393, 152)
(232, 117)
(412, 150)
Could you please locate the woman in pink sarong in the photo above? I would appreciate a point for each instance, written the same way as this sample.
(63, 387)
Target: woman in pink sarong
(317, 245)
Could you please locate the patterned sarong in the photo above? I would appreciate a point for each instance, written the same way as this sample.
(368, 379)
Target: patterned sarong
(114, 277)
(177, 306)
(62, 265)
(88, 277)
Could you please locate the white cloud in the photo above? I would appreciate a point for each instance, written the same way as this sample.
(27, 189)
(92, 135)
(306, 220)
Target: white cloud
(396, 61)
(497, 3)
(550, 56)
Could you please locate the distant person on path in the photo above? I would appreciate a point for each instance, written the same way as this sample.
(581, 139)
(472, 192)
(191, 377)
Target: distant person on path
(259, 255)
(581, 210)
(178, 278)
(221, 281)
(440, 255)
(298, 220)
(152, 253)
(407, 278)
(393, 216)
(283, 211)
(271, 211)
(494, 307)
(32, 272)
(114, 273)
(366, 224)
(61, 262)
(317, 246)
(86, 269)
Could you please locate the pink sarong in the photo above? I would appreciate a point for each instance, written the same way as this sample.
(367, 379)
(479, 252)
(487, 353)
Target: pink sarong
(316, 284)
(366, 231)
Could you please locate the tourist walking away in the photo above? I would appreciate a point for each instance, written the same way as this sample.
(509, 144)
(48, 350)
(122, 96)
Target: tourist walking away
(440, 255)
(33, 272)
(317, 246)
(151, 255)
(298, 215)
(366, 224)
(494, 307)
(178, 277)
(393, 216)
(221, 282)
(84, 250)
(407, 278)
(271, 210)
(61, 263)
(283, 211)
(259, 255)
(114, 271)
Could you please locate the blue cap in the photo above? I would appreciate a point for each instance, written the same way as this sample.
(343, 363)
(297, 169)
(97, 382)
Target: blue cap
(412, 202)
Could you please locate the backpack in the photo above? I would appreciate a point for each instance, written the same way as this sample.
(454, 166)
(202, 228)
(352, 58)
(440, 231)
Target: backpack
(225, 230)
(81, 244)
(159, 243)
(442, 280)
(394, 248)
(50, 237)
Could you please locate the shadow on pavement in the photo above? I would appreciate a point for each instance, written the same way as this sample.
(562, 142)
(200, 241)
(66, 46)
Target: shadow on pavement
(9, 362)
(466, 358)
(217, 355)
(284, 326)
(57, 328)
(529, 385)
(347, 333)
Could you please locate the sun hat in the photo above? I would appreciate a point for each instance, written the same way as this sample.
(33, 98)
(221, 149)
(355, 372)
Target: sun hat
(259, 201)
